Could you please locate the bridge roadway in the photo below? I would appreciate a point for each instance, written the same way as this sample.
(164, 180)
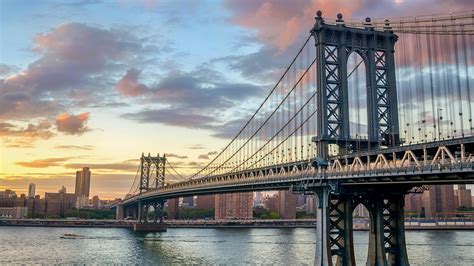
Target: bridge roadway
(442, 162)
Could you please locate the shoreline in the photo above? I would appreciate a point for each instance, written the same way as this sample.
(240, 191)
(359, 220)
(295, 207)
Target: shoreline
(197, 225)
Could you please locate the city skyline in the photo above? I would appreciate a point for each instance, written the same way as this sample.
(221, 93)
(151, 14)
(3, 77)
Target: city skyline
(143, 85)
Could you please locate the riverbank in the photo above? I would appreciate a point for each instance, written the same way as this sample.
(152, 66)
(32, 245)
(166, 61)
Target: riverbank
(359, 225)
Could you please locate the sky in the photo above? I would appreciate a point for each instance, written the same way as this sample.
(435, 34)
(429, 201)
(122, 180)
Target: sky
(96, 83)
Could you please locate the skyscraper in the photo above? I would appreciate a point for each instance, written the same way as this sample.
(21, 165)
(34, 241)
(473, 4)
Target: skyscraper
(83, 179)
(31, 191)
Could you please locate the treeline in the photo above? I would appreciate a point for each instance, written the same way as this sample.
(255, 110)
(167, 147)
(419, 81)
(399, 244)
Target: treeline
(91, 214)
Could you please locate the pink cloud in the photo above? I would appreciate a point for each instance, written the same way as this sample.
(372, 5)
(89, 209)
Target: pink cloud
(72, 124)
(279, 23)
(129, 84)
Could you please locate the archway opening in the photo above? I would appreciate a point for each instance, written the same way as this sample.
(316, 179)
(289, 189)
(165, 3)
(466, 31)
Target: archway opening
(360, 222)
(357, 96)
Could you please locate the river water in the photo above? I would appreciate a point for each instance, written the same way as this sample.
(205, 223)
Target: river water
(28, 245)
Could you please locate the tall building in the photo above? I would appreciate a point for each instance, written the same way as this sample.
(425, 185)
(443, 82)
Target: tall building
(234, 206)
(439, 201)
(287, 204)
(31, 191)
(465, 197)
(83, 180)
(205, 202)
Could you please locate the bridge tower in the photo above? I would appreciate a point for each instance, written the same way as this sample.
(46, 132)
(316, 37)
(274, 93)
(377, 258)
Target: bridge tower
(151, 167)
(334, 45)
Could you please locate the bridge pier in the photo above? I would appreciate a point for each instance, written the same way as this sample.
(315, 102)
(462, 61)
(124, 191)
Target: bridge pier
(119, 212)
(155, 225)
(387, 244)
(334, 238)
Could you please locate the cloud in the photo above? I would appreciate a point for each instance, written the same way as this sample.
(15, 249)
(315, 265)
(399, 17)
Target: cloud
(72, 124)
(32, 131)
(122, 166)
(129, 85)
(172, 155)
(196, 147)
(74, 147)
(206, 156)
(44, 163)
(76, 65)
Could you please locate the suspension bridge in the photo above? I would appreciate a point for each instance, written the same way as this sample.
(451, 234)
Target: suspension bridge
(366, 112)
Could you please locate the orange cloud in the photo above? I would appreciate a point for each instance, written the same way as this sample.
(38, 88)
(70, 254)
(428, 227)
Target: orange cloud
(44, 163)
(72, 124)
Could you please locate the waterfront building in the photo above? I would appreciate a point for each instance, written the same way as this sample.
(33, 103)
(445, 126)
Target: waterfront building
(62, 190)
(172, 206)
(58, 204)
(13, 212)
(286, 204)
(439, 201)
(31, 191)
(464, 196)
(83, 179)
(188, 201)
(81, 201)
(234, 206)
(272, 203)
(205, 202)
(258, 199)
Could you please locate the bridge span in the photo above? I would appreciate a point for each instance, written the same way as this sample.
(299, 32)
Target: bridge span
(344, 123)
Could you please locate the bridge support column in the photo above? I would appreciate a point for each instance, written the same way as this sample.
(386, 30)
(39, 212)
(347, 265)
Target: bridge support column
(387, 244)
(155, 225)
(334, 238)
(119, 211)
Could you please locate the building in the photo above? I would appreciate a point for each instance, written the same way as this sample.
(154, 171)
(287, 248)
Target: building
(311, 204)
(188, 201)
(414, 204)
(272, 203)
(13, 212)
(172, 207)
(81, 201)
(234, 206)
(96, 202)
(62, 189)
(258, 199)
(439, 201)
(287, 204)
(464, 196)
(206, 202)
(31, 191)
(57, 204)
(83, 179)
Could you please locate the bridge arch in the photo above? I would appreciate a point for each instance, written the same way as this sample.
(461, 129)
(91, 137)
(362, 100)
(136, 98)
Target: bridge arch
(357, 77)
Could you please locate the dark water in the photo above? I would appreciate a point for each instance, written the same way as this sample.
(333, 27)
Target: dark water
(27, 245)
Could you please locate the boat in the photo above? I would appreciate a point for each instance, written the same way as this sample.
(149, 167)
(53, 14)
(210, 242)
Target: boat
(72, 236)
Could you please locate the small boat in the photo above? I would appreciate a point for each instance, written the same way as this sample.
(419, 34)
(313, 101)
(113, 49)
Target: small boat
(72, 236)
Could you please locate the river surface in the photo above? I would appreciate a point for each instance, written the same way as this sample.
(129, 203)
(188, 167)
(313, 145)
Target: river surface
(43, 245)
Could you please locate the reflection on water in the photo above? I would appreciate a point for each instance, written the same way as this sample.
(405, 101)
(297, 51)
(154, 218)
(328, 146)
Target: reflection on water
(210, 246)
